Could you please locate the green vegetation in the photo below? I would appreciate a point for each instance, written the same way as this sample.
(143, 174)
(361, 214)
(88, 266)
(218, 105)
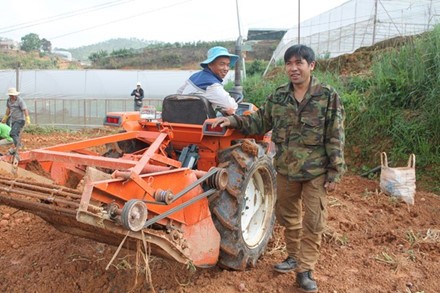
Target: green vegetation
(35, 54)
(28, 61)
(400, 111)
(257, 89)
(155, 55)
(256, 67)
(127, 54)
(30, 42)
(83, 53)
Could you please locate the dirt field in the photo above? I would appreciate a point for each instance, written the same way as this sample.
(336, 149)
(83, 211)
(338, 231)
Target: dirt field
(374, 244)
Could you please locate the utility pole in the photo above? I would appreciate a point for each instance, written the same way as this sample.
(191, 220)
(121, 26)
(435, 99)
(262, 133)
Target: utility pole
(241, 66)
(238, 18)
(299, 21)
(374, 21)
(238, 46)
(17, 77)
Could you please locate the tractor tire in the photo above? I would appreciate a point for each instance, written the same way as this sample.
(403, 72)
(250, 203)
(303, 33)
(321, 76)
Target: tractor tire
(244, 213)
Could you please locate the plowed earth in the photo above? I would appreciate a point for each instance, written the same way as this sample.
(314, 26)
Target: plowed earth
(374, 243)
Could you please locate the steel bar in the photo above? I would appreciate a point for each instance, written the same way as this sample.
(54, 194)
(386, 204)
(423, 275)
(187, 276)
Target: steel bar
(50, 190)
(49, 198)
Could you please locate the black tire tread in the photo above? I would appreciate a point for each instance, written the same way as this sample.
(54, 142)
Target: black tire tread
(226, 209)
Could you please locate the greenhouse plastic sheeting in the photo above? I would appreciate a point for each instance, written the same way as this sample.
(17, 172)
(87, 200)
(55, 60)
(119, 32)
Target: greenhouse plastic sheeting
(360, 23)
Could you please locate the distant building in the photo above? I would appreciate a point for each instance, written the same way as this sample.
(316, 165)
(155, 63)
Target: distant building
(66, 55)
(265, 34)
(6, 45)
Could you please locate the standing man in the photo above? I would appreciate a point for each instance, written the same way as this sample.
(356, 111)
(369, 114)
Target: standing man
(307, 122)
(138, 94)
(208, 82)
(18, 113)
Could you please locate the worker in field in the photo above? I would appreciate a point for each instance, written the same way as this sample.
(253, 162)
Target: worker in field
(208, 81)
(138, 94)
(307, 122)
(5, 138)
(18, 114)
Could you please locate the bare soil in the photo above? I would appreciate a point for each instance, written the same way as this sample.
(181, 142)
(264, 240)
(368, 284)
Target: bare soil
(374, 243)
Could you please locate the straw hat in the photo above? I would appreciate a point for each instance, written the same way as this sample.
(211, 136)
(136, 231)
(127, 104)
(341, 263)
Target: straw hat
(13, 92)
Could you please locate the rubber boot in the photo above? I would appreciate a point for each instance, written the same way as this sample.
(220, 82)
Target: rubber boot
(306, 282)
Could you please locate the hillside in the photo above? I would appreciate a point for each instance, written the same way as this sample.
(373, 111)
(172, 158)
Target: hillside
(177, 55)
(34, 60)
(258, 49)
(359, 62)
(82, 53)
(131, 54)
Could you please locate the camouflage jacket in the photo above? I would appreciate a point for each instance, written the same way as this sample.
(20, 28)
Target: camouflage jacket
(309, 136)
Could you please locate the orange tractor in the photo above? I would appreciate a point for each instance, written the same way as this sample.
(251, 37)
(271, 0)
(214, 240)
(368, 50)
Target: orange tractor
(195, 193)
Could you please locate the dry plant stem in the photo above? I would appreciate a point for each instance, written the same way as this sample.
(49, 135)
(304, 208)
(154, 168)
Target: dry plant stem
(117, 251)
(147, 265)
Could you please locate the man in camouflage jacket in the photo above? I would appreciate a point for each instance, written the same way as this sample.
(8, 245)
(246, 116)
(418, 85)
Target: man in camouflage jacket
(307, 122)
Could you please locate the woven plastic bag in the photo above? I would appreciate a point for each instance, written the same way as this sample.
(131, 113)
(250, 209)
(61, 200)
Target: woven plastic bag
(400, 181)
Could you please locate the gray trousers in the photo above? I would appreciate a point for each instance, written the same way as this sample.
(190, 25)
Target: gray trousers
(16, 127)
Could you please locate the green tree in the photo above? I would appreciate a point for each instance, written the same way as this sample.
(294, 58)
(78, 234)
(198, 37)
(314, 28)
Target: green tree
(98, 57)
(30, 42)
(123, 53)
(257, 67)
(46, 45)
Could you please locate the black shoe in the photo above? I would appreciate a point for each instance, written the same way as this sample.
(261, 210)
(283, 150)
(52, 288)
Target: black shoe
(306, 282)
(288, 265)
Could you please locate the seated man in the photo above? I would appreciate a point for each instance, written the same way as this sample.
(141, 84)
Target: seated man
(208, 82)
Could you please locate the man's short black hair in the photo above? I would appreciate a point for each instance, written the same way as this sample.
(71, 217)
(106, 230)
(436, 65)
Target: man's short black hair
(299, 51)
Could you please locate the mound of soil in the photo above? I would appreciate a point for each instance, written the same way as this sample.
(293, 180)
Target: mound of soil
(374, 243)
(359, 62)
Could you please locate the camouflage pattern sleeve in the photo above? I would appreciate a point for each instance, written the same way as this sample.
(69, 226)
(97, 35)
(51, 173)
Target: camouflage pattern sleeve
(258, 122)
(335, 138)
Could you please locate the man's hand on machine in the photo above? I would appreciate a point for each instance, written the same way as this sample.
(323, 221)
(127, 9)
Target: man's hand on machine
(222, 122)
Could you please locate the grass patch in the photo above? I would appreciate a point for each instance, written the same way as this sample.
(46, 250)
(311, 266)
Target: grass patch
(387, 259)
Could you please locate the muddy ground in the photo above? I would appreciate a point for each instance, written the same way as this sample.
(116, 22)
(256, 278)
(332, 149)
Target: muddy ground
(374, 243)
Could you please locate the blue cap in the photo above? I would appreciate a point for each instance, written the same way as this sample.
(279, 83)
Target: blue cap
(218, 51)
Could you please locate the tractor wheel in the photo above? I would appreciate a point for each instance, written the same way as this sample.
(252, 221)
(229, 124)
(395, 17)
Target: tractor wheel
(244, 212)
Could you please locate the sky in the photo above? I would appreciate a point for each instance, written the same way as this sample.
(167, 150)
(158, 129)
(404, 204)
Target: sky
(74, 23)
